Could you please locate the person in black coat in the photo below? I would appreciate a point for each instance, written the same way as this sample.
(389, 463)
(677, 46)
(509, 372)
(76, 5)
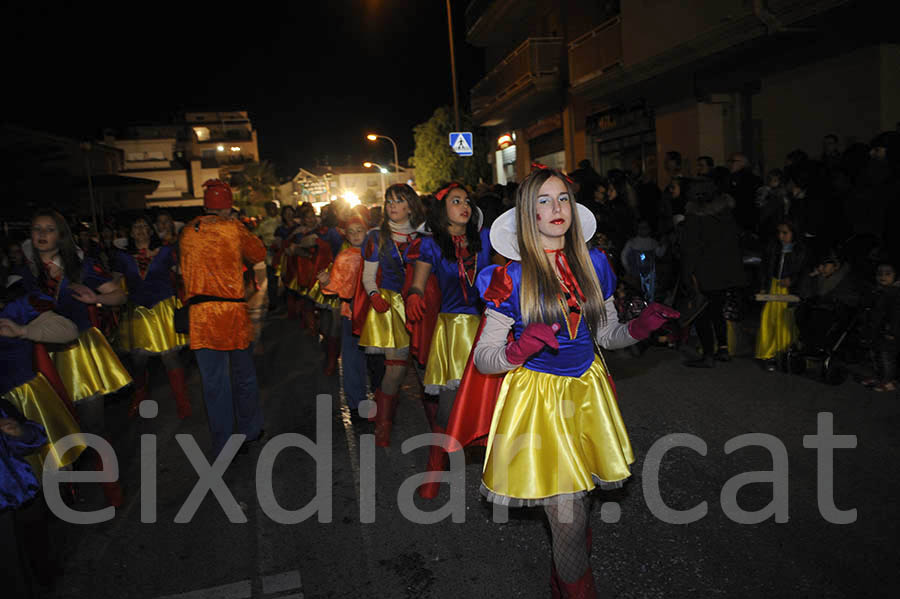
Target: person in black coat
(712, 262)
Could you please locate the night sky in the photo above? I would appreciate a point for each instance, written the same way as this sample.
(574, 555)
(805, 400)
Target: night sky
(316, 76)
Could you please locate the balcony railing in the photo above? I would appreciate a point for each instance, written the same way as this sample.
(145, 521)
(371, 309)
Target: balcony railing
(536, 61)
(595, 52)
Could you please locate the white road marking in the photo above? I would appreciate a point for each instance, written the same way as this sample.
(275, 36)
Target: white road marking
(237, 590)
(277, 583)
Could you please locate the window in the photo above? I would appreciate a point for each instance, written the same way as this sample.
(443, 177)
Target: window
(202, 133)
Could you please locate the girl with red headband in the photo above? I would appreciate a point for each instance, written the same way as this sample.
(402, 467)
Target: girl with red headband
(384, 274)
(456, 251)
(556, 432)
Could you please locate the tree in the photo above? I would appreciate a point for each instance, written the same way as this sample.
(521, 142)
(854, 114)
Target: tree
(436, 163)
(256, 185)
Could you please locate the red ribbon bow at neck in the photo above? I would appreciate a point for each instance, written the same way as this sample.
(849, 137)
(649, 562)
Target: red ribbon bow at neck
(572, 292)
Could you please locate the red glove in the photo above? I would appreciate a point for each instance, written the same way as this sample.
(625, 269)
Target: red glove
(415, 307)
(379, 303)
(652, 317)
(531, 341)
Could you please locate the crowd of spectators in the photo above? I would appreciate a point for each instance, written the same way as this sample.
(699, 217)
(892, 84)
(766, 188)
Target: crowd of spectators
(711, 241)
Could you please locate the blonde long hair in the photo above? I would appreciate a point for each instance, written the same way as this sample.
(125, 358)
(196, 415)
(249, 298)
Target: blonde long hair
(540, 285)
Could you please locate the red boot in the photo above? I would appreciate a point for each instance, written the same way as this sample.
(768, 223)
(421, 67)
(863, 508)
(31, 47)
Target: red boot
(384, 418)
(112, 491)
(140, 394)
(436, 456)
(333, 345)
(583, 588)
(179, 390)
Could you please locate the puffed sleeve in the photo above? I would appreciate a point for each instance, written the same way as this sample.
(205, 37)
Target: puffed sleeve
(429, 251)
(496, 287)
(93, 274)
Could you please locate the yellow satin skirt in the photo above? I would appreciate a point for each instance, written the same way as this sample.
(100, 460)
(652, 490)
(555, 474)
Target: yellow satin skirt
(386, 330)
(89, 366)
(327, 302)
(777, 330)
(150, 329)
(555, 435)
(37, 401)
(451, 344)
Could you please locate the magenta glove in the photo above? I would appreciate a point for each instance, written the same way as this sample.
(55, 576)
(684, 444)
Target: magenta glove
(531, 341)
(652, 317)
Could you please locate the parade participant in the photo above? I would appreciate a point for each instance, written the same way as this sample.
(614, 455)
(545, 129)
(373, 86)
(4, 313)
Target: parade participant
(19, 492)
(556, 296)
(287, 267)
(266, 232)
(384, 272)
(342, 281)
(313, 255)
(166, 228)
(26, 319)
(456, 252)
(219, 324)
(146, 328)
(89, 368)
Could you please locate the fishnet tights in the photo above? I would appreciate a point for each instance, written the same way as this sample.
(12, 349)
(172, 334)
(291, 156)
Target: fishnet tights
(569, 520)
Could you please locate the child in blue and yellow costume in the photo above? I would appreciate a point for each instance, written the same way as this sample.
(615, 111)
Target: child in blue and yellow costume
(27, 318)
(556, 432)
(456, 252)
(385, 257)
(147, 328)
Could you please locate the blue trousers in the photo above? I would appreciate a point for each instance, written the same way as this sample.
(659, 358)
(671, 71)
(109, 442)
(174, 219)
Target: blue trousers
(231, 394)
(354, 365)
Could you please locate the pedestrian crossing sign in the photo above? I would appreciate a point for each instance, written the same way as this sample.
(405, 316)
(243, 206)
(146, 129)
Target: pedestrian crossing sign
(461, 142)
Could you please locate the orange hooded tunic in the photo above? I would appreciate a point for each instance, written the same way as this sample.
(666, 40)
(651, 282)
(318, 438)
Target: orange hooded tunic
(213, 253)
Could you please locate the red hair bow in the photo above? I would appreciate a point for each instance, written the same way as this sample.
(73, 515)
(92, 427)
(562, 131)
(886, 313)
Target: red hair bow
(442, 193)
(543, 167)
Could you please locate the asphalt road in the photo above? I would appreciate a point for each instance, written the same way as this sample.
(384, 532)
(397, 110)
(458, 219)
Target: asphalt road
(636, 554)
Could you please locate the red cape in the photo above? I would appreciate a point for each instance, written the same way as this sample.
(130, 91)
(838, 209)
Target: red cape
(473, 409)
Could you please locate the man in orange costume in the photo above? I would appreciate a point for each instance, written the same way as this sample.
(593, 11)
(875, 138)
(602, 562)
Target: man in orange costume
(214, 249)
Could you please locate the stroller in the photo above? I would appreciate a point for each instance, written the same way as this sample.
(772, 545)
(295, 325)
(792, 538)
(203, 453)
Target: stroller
(830, 333)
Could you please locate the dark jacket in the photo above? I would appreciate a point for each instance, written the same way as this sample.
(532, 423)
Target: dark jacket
(709, 245)
(742, 186)
(795, 266)
(840, 289)
(886, 312)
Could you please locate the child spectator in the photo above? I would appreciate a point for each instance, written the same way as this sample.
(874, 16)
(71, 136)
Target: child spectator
(886, 327)
(783, 265)
(639, 259)
(773, 202)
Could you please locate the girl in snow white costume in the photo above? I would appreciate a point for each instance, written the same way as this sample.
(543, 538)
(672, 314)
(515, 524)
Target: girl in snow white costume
(556, 432)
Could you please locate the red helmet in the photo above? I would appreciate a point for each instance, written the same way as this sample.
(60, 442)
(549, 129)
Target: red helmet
(217, 195)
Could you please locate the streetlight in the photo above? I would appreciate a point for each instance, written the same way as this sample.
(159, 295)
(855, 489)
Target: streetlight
(374, 137)
(381, 169)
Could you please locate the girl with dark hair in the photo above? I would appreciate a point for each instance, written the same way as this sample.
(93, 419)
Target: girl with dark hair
(312, 255)
(456, 252)
(88, 367)
(784, 263)
(147, 328)
(384, 273)
(557, 298)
